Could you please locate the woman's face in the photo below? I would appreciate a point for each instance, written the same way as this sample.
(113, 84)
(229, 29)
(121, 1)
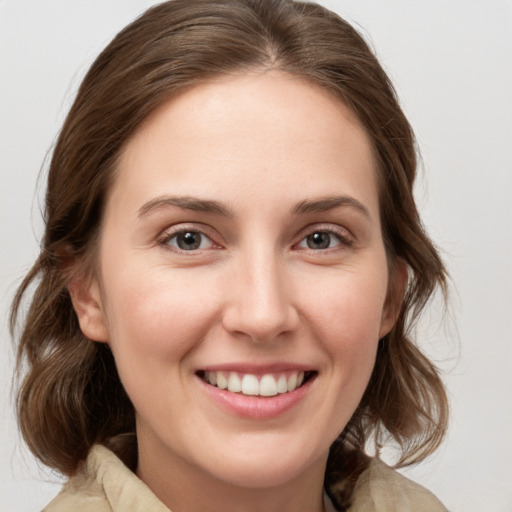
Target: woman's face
(241, 247)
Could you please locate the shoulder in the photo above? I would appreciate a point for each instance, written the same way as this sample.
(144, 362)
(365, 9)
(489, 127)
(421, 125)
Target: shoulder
(382, 489)
(105, 484)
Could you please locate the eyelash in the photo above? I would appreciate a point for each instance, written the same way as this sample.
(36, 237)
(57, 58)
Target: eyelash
(183, 230)
(344, 238)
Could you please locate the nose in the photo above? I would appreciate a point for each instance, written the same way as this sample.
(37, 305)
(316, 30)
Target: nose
(260, 303)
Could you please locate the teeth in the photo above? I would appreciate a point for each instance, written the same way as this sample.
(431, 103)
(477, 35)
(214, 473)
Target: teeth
(234, 383)
(268, 386)
(282, 385)
(292, 382)
(222, 382)
(248, 384)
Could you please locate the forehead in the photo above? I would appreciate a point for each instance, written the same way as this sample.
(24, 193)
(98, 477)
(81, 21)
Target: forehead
(268, 132)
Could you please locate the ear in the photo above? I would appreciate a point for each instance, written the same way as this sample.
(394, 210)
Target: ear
(86, 297)
(398, 277)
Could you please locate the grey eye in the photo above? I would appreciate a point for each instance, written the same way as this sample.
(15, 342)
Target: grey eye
(320, 240)
(190, 241)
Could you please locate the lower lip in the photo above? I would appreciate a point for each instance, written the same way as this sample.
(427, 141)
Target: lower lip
(256, 407)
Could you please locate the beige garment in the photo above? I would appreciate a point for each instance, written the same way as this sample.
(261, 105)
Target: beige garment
(382, 489)
(105, 484)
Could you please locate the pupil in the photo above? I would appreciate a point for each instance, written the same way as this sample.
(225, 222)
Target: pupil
(188, 241)
(319, 241)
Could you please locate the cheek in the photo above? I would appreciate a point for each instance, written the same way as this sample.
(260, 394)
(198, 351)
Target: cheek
(155, 322)
(350, 305)
(346, 318)
(153, 319)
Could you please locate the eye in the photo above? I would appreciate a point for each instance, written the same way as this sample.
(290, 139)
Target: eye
(188, 240)
(324, 239)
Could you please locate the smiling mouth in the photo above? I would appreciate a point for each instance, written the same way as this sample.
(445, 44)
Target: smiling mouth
(267, 385)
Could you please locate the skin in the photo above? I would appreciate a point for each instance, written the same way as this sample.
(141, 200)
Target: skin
(257, 291)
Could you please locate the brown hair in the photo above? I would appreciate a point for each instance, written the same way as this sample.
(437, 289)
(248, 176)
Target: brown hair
(71, 395)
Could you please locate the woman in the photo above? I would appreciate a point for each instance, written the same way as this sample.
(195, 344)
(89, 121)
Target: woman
(231, 266)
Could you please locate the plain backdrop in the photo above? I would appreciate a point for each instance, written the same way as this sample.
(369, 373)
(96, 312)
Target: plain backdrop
(451, 62)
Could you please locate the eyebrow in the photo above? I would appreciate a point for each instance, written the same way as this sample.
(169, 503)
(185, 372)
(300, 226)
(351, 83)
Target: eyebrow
(186, 203)
(328, 203)
(210, 206)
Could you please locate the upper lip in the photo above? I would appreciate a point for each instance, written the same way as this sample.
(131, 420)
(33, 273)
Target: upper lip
(257, 369)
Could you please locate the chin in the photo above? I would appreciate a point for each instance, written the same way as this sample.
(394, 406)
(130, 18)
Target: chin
(259, 476)
(264, 468)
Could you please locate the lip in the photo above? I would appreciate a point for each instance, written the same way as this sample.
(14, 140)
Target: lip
(257, 407)
(257, 369)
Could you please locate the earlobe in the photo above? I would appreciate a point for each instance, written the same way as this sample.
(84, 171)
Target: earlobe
(396, 291)
(86, 299)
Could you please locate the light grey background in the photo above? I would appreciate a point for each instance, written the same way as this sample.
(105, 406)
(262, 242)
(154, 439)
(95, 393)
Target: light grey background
(451, 62)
